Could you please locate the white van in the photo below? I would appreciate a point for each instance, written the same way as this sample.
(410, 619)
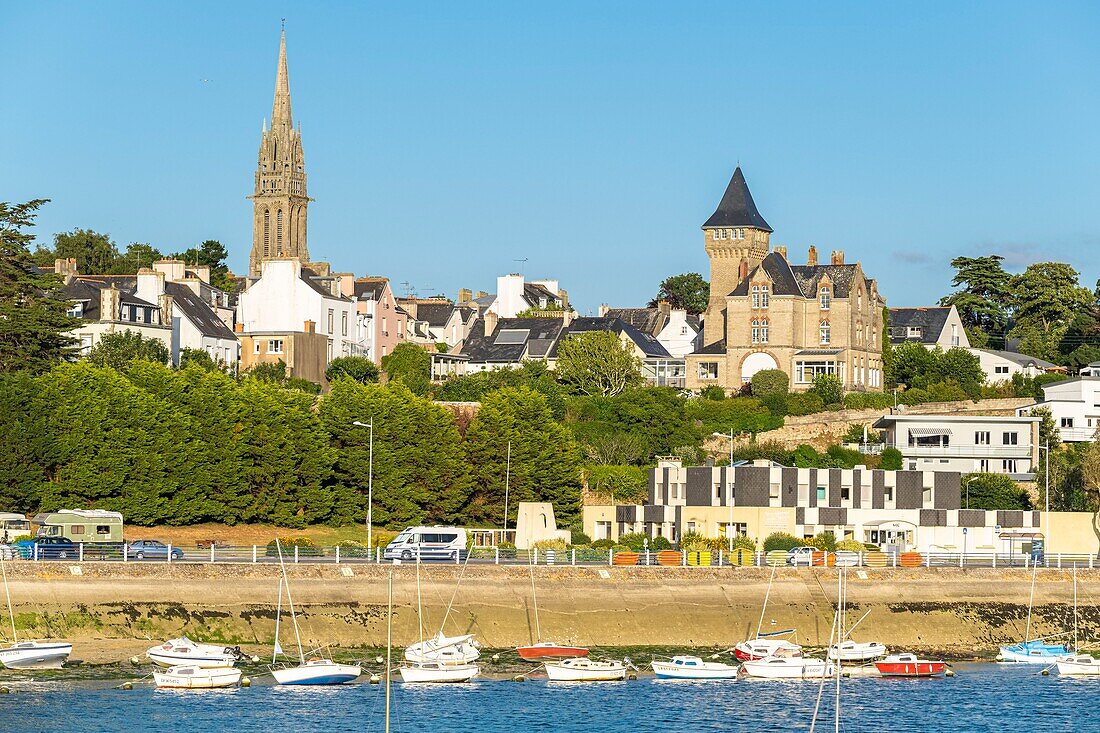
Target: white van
(13, 525)
(429, 543)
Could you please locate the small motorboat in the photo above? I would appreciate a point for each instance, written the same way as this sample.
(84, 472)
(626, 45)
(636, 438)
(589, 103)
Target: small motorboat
(316, 672)
(1033, 652)
(183, 651)
(193, 677)
(445, 649)
(762, 648)
(549, 650)
(788, 668)
(438, 672)
(907, 665)
(1079, 665)
(852, 651)
(583, 669)
(35, 655)
(694, 668)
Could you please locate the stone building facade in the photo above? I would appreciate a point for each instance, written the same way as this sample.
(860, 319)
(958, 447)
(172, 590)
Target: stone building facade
(279, 201)
(766, 313)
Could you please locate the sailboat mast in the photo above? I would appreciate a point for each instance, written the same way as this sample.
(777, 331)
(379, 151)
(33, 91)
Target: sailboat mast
(1031, 602)
(7, 594)
(419, 607)
(290, 603)
(1075, 608)
(535, 602)
(389, 648)
(278, 618)
(767, 594)
(842, 597)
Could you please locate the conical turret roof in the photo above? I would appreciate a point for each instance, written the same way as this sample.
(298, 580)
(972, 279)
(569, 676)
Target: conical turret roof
(737, 208)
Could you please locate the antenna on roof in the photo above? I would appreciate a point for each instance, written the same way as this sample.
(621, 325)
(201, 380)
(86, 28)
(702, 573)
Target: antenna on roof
(408, 287)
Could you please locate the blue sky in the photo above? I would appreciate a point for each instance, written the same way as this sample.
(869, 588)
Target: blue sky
(444, 141)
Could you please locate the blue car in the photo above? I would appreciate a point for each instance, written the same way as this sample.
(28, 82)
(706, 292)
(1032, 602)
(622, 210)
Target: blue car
(151, 549)
(48, 548)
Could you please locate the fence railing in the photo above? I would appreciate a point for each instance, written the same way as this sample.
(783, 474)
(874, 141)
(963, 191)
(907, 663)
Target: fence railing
(578, 556)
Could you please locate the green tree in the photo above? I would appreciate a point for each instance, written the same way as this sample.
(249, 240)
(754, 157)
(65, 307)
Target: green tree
(118, 349)
(359, 368)
(914, 364)
(212, 254)
(688, 291)
(533, 373)
(95, 253)
(1047, 295)
(545, 463)
(410, 364)
(993, 491)
(620, 484)
(200, 358)
(650, 420)
(33, 318)
(770, 382)
(892, 460)
(597, 363)
(420, 472)
(25, 439)
(137, 256)
(962, 367)
(983, 301)
(829, 388)
(889, 379)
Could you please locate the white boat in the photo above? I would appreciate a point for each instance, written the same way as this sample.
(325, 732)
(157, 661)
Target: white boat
(444, 649)
(438, 672)
(788, 668)
(694, 668)
(764, 648)
(30, 654)
(193, 677)
(184, 651)
(1079, 665)
(314, 671)
(35, 654)
(854, 651)
(1038, 651)
(582, 669)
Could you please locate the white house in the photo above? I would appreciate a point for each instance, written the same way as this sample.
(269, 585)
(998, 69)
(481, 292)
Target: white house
(965, 443)
(1075, 406)
(678, 332)
(999, 366)
(286, 295)
(515, 294)
(930, 327)
(107, 304)
(195, 324)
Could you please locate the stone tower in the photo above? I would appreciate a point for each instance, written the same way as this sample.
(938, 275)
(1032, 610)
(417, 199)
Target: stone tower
(737, 239)
(279, 201)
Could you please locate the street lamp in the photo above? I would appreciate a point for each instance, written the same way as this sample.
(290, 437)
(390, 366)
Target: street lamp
(729, 499)
(972, 478)
(370, 482)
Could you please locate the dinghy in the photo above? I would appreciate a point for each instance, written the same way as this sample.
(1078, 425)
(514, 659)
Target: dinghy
(30, 654)
(585, 670)
(184, 651)
(694, 668)
(193, 677)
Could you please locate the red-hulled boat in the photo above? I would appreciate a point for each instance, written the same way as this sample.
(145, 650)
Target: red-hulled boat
(907, 665)
(549, 650)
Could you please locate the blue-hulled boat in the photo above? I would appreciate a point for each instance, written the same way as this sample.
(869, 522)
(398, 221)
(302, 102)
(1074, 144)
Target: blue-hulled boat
(1035, 651)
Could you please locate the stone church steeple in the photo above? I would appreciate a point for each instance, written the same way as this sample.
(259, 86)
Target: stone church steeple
(279, 200)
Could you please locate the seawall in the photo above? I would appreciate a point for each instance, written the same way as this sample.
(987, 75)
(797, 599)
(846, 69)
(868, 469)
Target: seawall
(961, 613)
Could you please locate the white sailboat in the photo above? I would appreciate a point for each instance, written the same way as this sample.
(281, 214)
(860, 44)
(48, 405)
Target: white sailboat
(443, 662)
(441, 649)
(194, 677)
(583, 669)
(763, 646)
(30, 654)
(684, 667)
(313, 671)
(1032, 651)
(847, 650)
(1078, 665)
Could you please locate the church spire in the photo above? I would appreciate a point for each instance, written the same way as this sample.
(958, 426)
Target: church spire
(280, 109)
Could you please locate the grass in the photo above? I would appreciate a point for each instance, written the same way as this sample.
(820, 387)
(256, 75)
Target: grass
(245, 535)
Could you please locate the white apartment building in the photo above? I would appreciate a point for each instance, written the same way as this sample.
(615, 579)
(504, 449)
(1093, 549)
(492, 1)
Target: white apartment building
(1075, 406)
(999, 366)
(965, 443)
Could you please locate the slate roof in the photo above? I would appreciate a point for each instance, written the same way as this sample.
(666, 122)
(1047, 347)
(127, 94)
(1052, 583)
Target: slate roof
(782, 276)
(198, 312)
(435, 314)
(1021, 359)
(370, 288)
(533, 293)
(317, 287)
(808, 277)
(718, 347)
(86, 290)
(737, 209)
(646, 320)
(931, 321)
(540, 333)
(649, 345)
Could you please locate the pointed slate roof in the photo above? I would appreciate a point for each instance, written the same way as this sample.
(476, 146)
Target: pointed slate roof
(737, 208)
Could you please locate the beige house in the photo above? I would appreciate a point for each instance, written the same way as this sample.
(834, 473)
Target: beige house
(304, 352)
(766, 313)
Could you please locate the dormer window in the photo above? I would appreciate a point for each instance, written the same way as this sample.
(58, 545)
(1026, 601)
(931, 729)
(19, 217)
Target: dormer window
(825, 295)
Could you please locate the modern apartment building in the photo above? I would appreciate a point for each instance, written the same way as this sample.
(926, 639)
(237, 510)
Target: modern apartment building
(965, 443)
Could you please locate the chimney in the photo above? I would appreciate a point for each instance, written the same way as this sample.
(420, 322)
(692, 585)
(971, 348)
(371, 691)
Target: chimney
(464, 295)
(811, 258)
(109, 304)
(564, 295)
(310, 327)
(150, 285)
(781, 250)
(481, 294)
(743, 270)
(490, 319)
(604, 308)
(238, 328)
(174, 270)
(837, 257)
(65, 267)
(664, 308)
(165, 303)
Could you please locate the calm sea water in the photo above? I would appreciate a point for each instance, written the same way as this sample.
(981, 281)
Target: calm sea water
(983, 697)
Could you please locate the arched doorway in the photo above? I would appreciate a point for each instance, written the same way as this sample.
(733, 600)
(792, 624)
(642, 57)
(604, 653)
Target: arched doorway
(754, 363)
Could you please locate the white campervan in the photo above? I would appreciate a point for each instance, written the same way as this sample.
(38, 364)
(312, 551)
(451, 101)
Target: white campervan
(13, 525)
(428, 543)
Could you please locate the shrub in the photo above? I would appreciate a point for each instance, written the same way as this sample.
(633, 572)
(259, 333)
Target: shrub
(771, 450)
(506, 545)
(633, 540)
(351, 548)
(743, 542)
(804, 456)
(776, 404)
(824, 541)
(603, 544)
(855, 434)
(660, 543)
(868, 400)
(743, 414)
(891, 459)
(306, 547)
(556, 545)
(627, 484)
(805, 403)
(770, 382)
(693, 542)
(578, 537)
(840, 457)
(359, 368)
(713, 392)
(781, 541)
(829, 388)
(850, 545)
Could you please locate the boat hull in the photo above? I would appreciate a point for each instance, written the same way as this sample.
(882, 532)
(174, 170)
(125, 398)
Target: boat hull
(1080, 666)
(444, 650)
(672, 671)
(757, 649)
(537, 652)
(1032, 653)
(206, 679)
(35, 655)
(596, 672)
(788, 669)
(317, 674)
(857, 652)
(184, 652)
(443, 673)
(918, 668)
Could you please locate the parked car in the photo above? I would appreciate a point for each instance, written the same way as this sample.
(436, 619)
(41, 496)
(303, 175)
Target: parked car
(801, 556)
(152, 549)
(48, 548)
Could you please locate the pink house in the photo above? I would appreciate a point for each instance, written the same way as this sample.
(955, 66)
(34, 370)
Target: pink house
(383, 324)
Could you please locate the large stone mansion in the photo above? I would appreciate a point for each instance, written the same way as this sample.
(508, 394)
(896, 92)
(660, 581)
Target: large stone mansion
(767, 313)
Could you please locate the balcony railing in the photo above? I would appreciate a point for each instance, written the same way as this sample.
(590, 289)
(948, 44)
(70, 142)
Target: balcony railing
(937, 451)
